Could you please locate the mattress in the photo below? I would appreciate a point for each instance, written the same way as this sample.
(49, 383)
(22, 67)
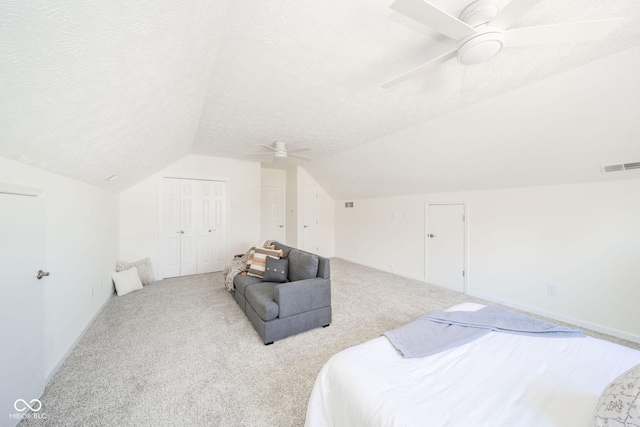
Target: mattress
(497, 380)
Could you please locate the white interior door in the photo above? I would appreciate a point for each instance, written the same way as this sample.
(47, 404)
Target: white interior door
(446, 245)
(21, 305)
(272, 225)
(310, 221)
(219, 222)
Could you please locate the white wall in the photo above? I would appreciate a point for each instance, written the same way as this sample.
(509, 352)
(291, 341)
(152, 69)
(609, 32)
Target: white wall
(582, 238)
(273, 177)
(81, 250)
(140, 213)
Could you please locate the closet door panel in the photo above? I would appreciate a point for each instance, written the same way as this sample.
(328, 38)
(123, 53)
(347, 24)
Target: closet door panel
(188, 244)
(171, 227)
(219, 218)
(205, 226)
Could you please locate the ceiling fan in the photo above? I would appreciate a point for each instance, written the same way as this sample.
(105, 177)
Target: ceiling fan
(482, 31)
(279, 151)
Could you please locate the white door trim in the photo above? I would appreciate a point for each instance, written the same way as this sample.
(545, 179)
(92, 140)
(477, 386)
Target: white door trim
(465, 255)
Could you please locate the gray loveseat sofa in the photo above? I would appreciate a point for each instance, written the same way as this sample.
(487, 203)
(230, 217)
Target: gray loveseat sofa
(278, 310)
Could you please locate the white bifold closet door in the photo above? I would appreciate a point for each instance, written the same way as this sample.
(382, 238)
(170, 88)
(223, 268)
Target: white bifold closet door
(194, 227)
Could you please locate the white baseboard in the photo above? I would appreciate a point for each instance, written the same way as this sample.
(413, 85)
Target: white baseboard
(377, 267)
(567, 319)
(66, 354)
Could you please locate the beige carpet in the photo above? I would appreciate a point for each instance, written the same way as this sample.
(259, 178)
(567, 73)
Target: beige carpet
(180, 352)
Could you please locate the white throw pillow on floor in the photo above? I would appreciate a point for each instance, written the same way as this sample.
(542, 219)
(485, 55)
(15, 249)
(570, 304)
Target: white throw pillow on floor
(145, 270)
(126, 281)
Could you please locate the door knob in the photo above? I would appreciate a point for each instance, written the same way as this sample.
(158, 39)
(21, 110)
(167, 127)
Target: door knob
(180, 232)
(281, 226)
(42, 274)
(306, 226)
(432, 235)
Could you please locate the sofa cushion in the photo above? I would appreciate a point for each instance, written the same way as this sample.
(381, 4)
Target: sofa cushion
(241, 282)
(260, 296)
(302, 265)
(260, 260)
(276, 270)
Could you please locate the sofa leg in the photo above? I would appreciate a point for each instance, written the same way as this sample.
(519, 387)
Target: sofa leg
(268, 343)
(326, 326)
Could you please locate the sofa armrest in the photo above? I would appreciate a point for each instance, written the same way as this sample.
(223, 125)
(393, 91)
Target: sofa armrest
(302, 296)
(324, 269)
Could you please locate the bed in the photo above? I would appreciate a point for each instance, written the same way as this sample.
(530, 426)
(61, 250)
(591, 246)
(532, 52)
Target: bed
(497, 380)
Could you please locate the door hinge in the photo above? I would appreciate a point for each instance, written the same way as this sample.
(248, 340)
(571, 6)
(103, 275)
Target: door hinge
(462, 273)
(463, 217)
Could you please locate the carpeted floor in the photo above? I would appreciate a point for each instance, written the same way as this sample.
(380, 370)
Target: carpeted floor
(180, 352)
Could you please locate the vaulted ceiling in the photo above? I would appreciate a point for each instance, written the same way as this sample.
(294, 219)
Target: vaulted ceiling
(90, 89)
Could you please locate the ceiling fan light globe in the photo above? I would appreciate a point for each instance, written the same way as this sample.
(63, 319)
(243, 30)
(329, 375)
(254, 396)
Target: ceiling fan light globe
(279, 155)
(480, 47)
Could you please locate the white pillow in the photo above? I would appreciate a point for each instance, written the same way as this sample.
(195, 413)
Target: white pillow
(145, 270)
(126, 281)
(619, 402)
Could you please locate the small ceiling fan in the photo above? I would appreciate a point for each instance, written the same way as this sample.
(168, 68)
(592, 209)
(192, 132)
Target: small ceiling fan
(279, 151)
(482, 32)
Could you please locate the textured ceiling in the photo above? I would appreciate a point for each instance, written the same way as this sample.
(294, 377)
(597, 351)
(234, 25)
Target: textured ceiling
(94, 88)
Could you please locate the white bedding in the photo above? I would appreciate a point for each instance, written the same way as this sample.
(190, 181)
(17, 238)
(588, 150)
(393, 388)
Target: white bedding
(497, 380)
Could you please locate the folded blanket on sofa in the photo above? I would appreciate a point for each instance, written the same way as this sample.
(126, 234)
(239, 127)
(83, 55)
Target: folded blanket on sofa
(235, 267)
(440, 331)
(238, 266)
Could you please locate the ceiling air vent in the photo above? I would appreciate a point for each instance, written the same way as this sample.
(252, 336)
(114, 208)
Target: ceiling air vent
(621, 167)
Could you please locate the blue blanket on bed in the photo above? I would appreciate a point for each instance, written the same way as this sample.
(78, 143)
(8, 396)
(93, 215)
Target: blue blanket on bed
(440, 331)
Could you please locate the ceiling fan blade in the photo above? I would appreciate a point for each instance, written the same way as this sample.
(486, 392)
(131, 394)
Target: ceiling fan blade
(299, 156)
(472, 78)
(561, 33)
(513, 11)
(429, 15)
(422, 69)
(299, 150)
(268, 146)
(257, 154)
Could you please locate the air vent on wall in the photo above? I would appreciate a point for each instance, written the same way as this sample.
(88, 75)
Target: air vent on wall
(348, 204)
(620, 167)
